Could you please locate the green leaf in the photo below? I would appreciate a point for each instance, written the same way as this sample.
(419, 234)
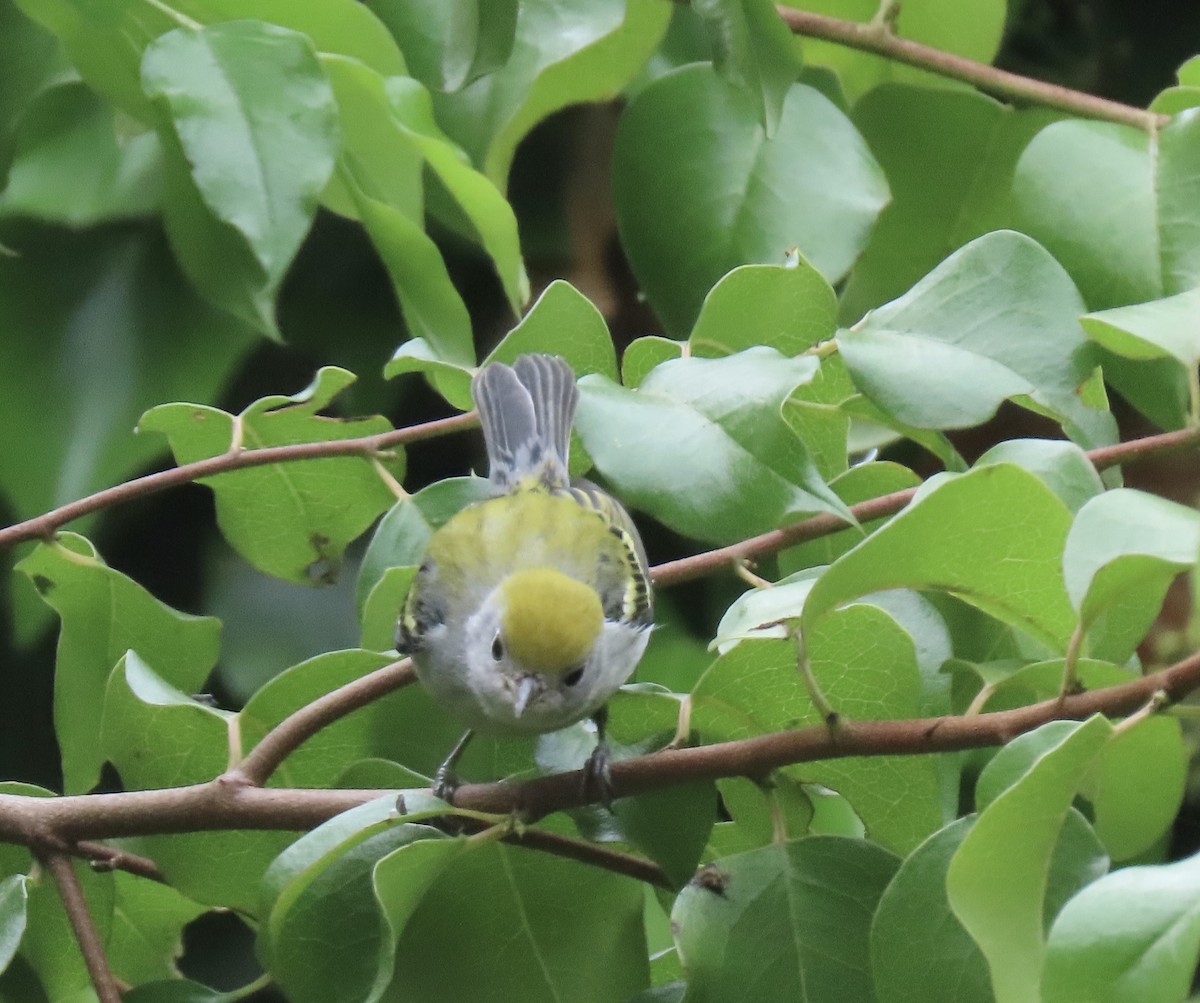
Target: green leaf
(997, 880)
(175, 991)
(1160, 329)
(703, 447)
(1131, 937)
(565, 52)
(973, 31)
(755, 688)
(321, 759)
(814, 185)
(340, 882)
(147, 929)
(817, 412)
(1117, 207)
(970, 143)
(788, 921)
(1062, 466)
(87, 312)
(914, 922)
(448, 45)
(998, 319)
(292, 520)
(993, 537)
(261, 89)
(553, 929)
(753, 49)
(104, 614)
(859, 483)
(49, 944)
(71, 167)
(402, 106)
(786, 307)
(192, 743)
(14, 894)
(644, 354)
(399, 543)
(562, 322)
(1124, 549)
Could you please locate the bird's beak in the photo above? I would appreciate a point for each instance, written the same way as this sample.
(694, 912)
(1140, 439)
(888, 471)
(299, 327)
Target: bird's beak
(525, 688)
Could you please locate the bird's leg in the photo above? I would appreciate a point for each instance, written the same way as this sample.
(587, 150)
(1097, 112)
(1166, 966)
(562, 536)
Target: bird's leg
(597, 777)
(445, 782)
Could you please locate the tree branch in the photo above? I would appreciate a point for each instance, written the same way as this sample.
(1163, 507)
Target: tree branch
(264, 759)
(218, 805)
(45, 525)
(63, 872)
(877, 38)
(103, 857)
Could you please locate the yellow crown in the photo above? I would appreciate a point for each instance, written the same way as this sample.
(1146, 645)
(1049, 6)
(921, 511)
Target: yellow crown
(550, 620)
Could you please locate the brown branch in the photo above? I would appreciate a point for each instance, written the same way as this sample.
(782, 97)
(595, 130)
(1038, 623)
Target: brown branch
(45, 525)
(63, 871)
(257, 767)
(687, 569)
(638, 868)
(103, 857)
(219, 805)
(877, 38)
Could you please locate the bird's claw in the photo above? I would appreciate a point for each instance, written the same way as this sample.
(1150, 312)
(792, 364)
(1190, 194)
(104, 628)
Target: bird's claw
(597, 777)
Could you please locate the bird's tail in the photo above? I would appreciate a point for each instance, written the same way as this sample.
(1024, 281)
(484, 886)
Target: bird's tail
(526, 411)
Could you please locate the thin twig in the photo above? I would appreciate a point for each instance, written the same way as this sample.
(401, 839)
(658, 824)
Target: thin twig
(111, 858)
(877, 38)
(295, 729)
(45, 525)
(63, 872)
(631, 866)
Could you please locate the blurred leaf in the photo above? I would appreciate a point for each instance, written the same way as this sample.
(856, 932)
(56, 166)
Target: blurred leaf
(970, 143)
(789, 308)
(973, 30)
(565, 52)
(292, 520)
(14, 894)
(1124, 549)
(87, 312)
(753, 49)
(682, 230)
(998, 319)
(993, 537)
(29, 56)
(997, 879)
(71, 166)
(261, 89)
(1118, 208)
(702, 445)
(448, 45)
(175, 991)
(791, 920)
(104, 614)
(1131, 937)
(147, 929)
(644, 354)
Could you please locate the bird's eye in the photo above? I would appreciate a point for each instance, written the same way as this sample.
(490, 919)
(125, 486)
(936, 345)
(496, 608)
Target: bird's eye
(572, 678)
(497, 648)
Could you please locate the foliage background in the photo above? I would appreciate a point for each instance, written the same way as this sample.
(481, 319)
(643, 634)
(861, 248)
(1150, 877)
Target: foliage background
(99, 324)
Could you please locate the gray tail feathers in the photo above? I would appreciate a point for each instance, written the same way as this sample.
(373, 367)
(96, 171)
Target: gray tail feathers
(526, 411)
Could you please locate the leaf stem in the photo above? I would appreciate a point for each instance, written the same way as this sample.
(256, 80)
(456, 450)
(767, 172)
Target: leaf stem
(877, 37)
(178, 17)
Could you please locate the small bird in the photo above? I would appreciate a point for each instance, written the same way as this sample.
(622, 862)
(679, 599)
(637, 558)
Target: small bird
(532, 607)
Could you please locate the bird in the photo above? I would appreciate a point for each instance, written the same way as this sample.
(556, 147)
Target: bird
(532, 606)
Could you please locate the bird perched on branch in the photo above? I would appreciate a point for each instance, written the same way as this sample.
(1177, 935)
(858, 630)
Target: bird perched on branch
(532, 607)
